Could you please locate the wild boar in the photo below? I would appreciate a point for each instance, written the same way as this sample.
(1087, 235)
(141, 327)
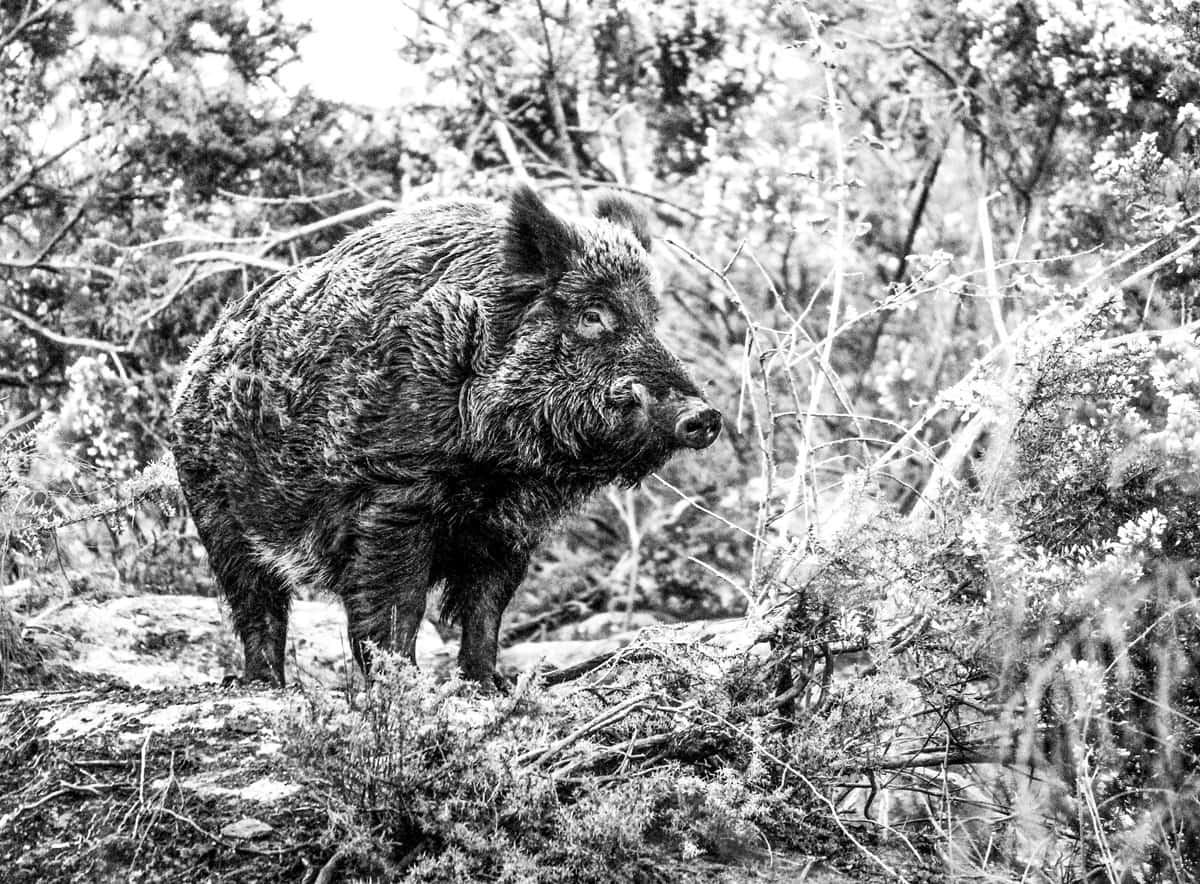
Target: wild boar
(417, 407)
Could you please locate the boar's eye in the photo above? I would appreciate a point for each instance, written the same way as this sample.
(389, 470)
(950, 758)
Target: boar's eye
(594, 321)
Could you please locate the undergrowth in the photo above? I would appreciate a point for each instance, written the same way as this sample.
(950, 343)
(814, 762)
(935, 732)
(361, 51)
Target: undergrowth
(1006, 691)
(668, 765)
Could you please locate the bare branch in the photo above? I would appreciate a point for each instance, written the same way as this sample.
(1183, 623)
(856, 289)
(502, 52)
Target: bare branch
(31, 18)
(32, 172)
(238, 258)
(593, 184)
(63, 340)
(345, 217)
(556, 107)
(18, 422)
(61, 267)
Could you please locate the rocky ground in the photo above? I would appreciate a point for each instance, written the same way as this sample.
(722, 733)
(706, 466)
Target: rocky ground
(159, 641)
(123, 758)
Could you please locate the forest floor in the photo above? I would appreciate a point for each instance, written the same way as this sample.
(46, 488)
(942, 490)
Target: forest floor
(127, 760)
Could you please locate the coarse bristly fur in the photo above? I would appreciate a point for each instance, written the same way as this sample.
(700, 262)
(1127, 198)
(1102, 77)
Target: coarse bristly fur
(417, 407)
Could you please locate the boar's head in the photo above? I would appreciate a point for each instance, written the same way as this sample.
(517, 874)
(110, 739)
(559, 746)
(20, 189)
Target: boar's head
(580, 383)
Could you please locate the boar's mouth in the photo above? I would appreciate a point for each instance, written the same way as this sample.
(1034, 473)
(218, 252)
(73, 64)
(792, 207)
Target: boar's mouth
(646, 438)
(620, 432)
(680, 418)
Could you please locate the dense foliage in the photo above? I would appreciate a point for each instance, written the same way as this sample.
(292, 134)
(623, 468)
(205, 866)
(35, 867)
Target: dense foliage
(938, 263)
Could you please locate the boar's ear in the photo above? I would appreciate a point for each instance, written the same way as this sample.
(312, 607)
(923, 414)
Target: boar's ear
(536, 241)
(621, 211)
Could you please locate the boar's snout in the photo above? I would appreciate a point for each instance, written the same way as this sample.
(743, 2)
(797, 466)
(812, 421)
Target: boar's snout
(698, 424)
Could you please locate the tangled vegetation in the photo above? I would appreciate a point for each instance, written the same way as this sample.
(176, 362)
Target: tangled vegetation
(938, 263)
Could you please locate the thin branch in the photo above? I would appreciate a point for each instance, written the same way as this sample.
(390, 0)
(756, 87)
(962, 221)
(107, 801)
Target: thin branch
(61, 267)
(765, 428)
(508, 147)
(29, 19)
(994, 297)
(287, 200)
(556, 108)
(18, 422)
(269, 241)
(910, 238)
(372, 208)
(32, 172)
(62, 340)
(593, 184)
(1151, 269)
(64, 228)
(238, 258)
(796, 489)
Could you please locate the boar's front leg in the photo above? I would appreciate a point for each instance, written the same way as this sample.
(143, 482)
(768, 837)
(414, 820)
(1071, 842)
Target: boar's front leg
(480, 581)
(386, 581)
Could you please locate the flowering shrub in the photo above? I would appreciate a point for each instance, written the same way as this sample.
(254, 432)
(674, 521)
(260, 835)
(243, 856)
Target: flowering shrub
(96, 424)
(1089, 567)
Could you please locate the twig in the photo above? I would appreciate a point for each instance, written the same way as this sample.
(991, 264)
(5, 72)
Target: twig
(29, 174)
(65, 228)
(142, 768)
(238, 258)
(63, 340)
(575, 670)
(796, 489)
(556, 108)
(592, 184)
(702, 508)
(287, 200)
(989, 263)
(541, 756)
(721, 575)
(232, 257)
(765, 429)
(17, 422)
(329, 869)
(271, 240)
(229, 845)
(372, 208)
(1181, 334)
(508, 147)
(628, 749)
(1150, 269)
(66, 788)
(758, 744)
(939, 758)
(31, 17)
(1129, 254)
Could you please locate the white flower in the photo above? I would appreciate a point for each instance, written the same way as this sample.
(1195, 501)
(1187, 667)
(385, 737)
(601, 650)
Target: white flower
(1188, 118)
(1086, 682)
(1060, 70)
(1118, 97)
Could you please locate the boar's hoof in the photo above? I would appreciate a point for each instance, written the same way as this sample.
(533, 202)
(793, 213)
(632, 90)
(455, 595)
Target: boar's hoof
(252, 679)
(491, 685)
(241, 681)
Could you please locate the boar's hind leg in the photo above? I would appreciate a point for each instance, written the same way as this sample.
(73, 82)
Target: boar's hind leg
(480, 581)
(260, 617)
(258, 598)
(385, 584)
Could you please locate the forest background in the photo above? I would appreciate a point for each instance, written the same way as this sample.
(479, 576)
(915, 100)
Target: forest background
(935, 261)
